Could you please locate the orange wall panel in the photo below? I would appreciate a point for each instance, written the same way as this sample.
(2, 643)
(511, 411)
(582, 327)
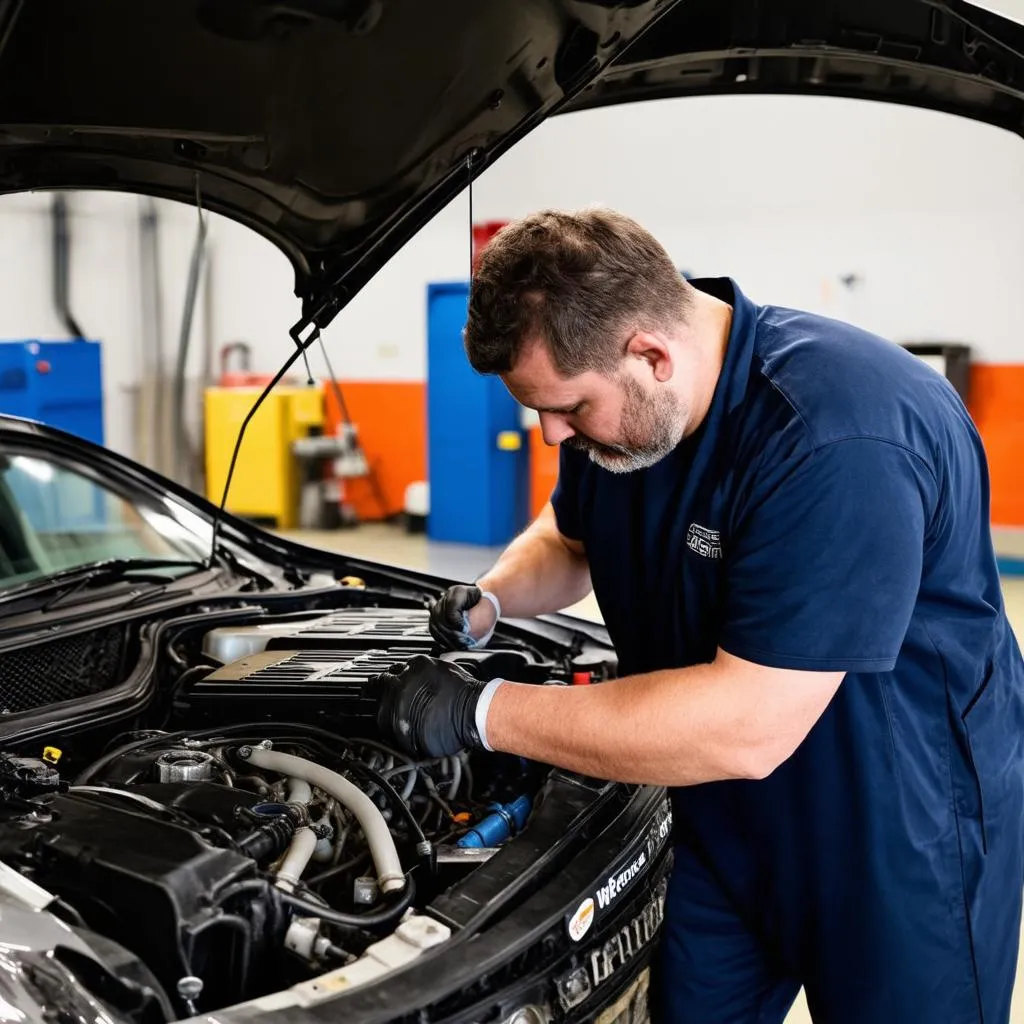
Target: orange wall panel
(997, 405)
(543, 471)
(391, 417)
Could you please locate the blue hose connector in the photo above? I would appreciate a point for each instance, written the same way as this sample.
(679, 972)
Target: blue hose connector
(504, 821)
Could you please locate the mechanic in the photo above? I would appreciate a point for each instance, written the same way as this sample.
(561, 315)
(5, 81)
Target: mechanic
(785, 522)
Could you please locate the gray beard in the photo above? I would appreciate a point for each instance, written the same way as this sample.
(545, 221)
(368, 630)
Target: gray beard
(652, 431)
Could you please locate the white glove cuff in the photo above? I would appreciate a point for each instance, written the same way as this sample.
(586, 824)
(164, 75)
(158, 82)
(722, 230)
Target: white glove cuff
(482, 641)
(493, 598)
(483, 705)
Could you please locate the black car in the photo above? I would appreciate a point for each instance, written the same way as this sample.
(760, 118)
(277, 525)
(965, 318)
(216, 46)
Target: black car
(201, 812)
(197, 814)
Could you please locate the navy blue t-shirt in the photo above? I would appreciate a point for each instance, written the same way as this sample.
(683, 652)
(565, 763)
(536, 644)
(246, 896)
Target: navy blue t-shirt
(831, 513)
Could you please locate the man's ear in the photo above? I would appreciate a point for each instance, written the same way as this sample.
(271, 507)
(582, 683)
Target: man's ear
(653, 350)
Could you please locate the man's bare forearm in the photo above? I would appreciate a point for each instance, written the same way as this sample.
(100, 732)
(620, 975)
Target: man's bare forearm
(678, 727)
(539, 571)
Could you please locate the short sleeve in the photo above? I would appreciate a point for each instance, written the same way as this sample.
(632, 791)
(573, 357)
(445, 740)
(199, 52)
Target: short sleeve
(565, 499)
(824, 570)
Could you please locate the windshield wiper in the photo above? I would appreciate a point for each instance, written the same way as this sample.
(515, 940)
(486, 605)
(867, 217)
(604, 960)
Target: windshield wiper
(69, 581)
(157, 582)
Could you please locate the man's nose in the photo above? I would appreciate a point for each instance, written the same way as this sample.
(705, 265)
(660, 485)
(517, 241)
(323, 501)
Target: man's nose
(555, 428)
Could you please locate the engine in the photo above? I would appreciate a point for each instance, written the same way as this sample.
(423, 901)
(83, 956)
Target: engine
(320, 665)
(263, 833)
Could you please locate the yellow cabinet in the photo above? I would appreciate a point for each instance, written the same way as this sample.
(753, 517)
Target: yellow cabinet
(267, 477)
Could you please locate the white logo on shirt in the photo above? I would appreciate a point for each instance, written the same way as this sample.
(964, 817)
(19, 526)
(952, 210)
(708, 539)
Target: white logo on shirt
(704, 541)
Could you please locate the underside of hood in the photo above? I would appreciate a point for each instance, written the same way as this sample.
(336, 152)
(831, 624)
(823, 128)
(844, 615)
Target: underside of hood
(949, 56)
(335, 128)
(338, 128)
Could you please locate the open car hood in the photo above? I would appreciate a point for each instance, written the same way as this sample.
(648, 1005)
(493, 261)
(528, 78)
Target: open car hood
(338, 128)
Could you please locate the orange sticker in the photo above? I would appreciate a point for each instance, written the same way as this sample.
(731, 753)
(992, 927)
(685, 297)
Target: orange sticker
(580, 922)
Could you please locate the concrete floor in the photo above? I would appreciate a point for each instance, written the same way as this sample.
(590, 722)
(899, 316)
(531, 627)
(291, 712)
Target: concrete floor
(1009, 543)
(454, 561)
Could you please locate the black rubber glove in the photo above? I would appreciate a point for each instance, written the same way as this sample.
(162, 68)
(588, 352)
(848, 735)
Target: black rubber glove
(447, 616)
(428, 707)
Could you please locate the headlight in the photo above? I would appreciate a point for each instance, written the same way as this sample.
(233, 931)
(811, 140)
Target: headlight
(532, 1013)
(573, 988)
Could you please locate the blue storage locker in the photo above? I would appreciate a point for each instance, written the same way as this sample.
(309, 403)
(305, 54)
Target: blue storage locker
(58, 383)
(479, 492)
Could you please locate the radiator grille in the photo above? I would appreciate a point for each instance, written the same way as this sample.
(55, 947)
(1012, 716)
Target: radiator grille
(73, 666)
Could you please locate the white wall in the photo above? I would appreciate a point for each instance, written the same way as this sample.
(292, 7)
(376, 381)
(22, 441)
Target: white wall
(785, 194)
(104, 286)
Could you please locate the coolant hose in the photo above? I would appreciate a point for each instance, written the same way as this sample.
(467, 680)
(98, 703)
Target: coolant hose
(299, 791)
(296, 860)
(390, 875)
(453, 789)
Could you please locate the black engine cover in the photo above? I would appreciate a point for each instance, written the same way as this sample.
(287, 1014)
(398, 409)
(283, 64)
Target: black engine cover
(142, 881)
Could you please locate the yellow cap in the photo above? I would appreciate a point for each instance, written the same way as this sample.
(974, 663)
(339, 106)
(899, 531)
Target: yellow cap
(352, 581)
(52, 754)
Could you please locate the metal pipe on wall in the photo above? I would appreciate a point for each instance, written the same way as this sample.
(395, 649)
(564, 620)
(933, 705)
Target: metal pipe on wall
(152, 433)
(62, 264)
(209, 375)
(186, 461)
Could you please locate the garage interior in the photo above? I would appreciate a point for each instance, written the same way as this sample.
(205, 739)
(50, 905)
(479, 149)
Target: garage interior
(903, 221)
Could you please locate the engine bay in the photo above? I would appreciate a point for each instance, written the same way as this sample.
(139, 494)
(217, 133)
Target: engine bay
(250, 831)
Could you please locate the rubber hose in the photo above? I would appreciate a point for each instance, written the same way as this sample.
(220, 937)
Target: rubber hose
(423, 844)
(299, 791)
(390, 876)
(374, 919)
(296, 860)
(453, 789)
(410, 783)
(237, 888)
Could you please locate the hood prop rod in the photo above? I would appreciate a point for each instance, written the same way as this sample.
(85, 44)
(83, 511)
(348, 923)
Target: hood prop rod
(321, 316)
(183, 445)
(301, 345)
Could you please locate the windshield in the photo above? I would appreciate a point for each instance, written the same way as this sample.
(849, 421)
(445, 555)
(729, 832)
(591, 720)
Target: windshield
(54, 518)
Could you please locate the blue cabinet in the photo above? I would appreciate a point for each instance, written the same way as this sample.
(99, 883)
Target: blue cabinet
(59, 383)
(477, 461)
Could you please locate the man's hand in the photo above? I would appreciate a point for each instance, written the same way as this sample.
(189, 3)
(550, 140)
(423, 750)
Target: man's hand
(464, 617)
(429, 707)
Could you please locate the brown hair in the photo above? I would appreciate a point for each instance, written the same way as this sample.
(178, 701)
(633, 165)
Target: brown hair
(577, 280)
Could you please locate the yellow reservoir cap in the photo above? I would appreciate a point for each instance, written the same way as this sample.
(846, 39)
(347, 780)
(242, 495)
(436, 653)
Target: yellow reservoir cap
(52, 754)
